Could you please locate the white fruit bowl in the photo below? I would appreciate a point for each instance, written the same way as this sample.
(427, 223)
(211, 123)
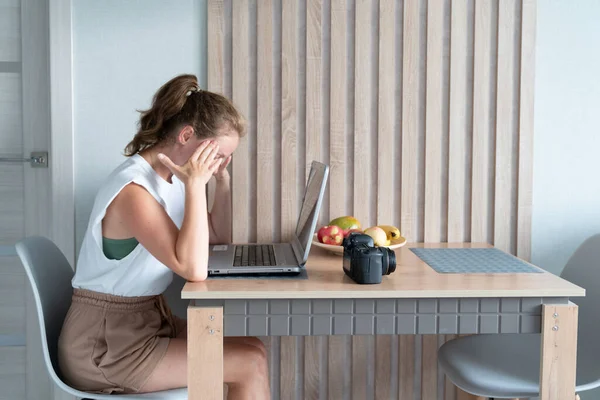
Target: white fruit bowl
(339, 250)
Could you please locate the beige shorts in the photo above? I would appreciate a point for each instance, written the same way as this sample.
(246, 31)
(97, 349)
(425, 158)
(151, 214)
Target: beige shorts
(111, 344)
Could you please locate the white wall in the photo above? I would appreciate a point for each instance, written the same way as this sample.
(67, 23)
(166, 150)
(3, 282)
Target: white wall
(566, 184)
(123, 52)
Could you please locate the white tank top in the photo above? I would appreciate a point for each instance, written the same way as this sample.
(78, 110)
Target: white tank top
(139, 273)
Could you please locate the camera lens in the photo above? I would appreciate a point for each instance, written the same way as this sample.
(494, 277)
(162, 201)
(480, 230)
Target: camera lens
(388, 261)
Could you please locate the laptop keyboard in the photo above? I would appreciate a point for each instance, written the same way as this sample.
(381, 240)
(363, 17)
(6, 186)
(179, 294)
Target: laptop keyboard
(252, 255)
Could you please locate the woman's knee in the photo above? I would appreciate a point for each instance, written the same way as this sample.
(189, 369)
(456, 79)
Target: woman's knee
(256, 366)
(258, 357)
(259, 344)
(248, 362)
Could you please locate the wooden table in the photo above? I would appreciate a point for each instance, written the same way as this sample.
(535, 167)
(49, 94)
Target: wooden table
(413, 300)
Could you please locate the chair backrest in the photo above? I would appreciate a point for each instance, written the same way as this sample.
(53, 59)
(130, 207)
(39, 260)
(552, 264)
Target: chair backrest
(50, 276)
(583, 269)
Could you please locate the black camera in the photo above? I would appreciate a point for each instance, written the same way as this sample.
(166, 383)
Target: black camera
(365, 263)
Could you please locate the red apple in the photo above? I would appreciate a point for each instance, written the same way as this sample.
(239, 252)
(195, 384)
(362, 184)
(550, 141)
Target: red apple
(349, 231)
(331, 234)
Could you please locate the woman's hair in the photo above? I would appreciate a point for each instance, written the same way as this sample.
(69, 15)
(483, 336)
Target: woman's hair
(181, 102)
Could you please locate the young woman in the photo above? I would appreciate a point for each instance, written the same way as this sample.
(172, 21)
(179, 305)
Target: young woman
(150, 220)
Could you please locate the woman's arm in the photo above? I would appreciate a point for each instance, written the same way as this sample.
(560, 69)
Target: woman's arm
(183, 250)
(219, 219)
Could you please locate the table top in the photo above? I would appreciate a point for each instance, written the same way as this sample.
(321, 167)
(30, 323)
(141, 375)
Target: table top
(413, 278)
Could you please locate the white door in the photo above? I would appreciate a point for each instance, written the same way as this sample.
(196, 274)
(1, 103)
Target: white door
(25, 196)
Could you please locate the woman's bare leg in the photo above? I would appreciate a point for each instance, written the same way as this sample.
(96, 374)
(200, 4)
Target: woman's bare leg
(182, 329)
(245, 369)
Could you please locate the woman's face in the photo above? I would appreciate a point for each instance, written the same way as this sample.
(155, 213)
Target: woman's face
(228, 140)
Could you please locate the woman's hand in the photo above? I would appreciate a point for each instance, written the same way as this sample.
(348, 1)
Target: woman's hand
(199, 167)
(222, 173)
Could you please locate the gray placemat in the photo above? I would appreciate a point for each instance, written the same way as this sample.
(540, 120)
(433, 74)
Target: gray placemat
(301, 276)
(473, 261)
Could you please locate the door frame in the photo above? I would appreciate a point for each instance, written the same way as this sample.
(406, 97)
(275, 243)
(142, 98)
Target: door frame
(61, 132)
(46, 30)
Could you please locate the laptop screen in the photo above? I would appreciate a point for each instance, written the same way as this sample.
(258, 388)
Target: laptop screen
(311, 205)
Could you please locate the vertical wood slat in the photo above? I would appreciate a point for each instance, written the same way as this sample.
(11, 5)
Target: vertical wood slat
(264, 123)
(288, 368)
(314, 112)
(433, 172)
(363, 367)
(312, 368)
(429, 368)
(362, 115)
(449, 388)
(467, 75)
(289, 127)
(339, 361)
(406, 367)
(383, 367)
(434, 121)
(241, 99)
(481, 117)
(503, 220)
(215, 35)
(526, 79)
(458, 124)
(386, 113)
(410, 120)
(215, 79)
(337, 130)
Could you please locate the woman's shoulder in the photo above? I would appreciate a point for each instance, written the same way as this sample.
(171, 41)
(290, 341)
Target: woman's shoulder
(129, 171)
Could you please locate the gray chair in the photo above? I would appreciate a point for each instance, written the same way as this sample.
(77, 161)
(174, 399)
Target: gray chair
(50, 276)
(508, 366)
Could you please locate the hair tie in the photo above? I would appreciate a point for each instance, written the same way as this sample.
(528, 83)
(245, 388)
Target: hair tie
(194, 90)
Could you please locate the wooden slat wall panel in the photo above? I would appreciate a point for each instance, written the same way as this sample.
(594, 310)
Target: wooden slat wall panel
(264, 132)
(386, 112)
(314, 111)
(506, 128)
(406, 367)
(216, 71)
(241, 98)
(434, 124)
(423, 110)
(312, 367)
(339, 371)
(460, 105)
(338, 173)
(410, 120)
(362, 111)
(526, 77)
(385, 363)
(289, 115)
(482, 121)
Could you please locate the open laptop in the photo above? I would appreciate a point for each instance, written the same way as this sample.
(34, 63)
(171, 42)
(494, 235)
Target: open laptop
(276, 258)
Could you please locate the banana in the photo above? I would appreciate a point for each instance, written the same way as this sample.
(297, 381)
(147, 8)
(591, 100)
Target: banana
(391, 232)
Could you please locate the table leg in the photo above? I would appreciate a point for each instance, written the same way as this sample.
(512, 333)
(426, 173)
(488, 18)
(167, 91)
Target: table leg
(205, 353)
(559, 351)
